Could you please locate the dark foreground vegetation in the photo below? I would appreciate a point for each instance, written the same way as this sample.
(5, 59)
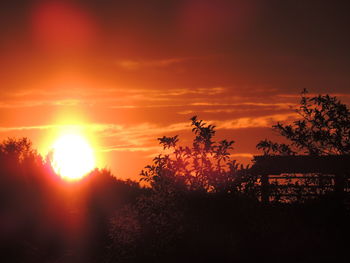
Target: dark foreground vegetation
(199, 205)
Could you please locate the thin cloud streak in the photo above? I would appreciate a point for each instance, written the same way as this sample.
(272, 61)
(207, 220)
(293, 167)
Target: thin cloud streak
(256, 104)
(108, 97)
(130, 149)
(259, 122)
(141, 64)
(133, 64)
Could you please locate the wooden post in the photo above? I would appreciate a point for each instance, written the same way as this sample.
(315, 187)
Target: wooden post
(265, 195)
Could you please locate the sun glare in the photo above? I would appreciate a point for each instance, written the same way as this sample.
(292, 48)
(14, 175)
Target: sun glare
(72, 157)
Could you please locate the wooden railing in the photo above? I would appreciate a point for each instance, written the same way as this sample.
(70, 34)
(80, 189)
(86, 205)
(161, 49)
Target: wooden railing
(283, 176)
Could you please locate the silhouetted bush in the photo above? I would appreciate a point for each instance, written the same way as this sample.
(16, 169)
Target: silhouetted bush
(206, 166)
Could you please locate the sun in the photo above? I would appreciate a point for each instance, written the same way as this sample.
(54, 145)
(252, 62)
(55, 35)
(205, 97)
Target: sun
(72, 157)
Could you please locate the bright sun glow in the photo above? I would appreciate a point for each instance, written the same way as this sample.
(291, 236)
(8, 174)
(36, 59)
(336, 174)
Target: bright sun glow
(72, 157)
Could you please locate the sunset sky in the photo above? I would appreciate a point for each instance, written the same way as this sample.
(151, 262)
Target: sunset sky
(127, 72)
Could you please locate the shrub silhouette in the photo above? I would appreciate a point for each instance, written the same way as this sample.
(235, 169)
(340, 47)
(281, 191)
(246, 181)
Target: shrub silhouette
(206, 166)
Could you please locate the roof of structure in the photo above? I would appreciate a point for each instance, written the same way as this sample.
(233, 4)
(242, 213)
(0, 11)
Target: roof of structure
(275, 164)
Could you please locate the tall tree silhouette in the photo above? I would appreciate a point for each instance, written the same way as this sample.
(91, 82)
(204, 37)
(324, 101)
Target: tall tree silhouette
(323, 129)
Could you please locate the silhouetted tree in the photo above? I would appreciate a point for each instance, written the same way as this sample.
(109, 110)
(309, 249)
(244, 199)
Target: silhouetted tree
(23, 201)
(39, 211)
(323, 129)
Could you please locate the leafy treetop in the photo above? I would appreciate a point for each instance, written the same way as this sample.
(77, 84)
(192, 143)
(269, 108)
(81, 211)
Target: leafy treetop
(323, 129)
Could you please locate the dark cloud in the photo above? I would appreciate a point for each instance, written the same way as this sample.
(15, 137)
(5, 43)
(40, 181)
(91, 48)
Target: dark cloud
(275, 42)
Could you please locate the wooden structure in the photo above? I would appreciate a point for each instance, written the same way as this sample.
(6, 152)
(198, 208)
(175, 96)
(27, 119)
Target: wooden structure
(335, 166)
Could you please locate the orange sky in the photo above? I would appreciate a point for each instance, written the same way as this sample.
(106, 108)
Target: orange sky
(130, 71)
